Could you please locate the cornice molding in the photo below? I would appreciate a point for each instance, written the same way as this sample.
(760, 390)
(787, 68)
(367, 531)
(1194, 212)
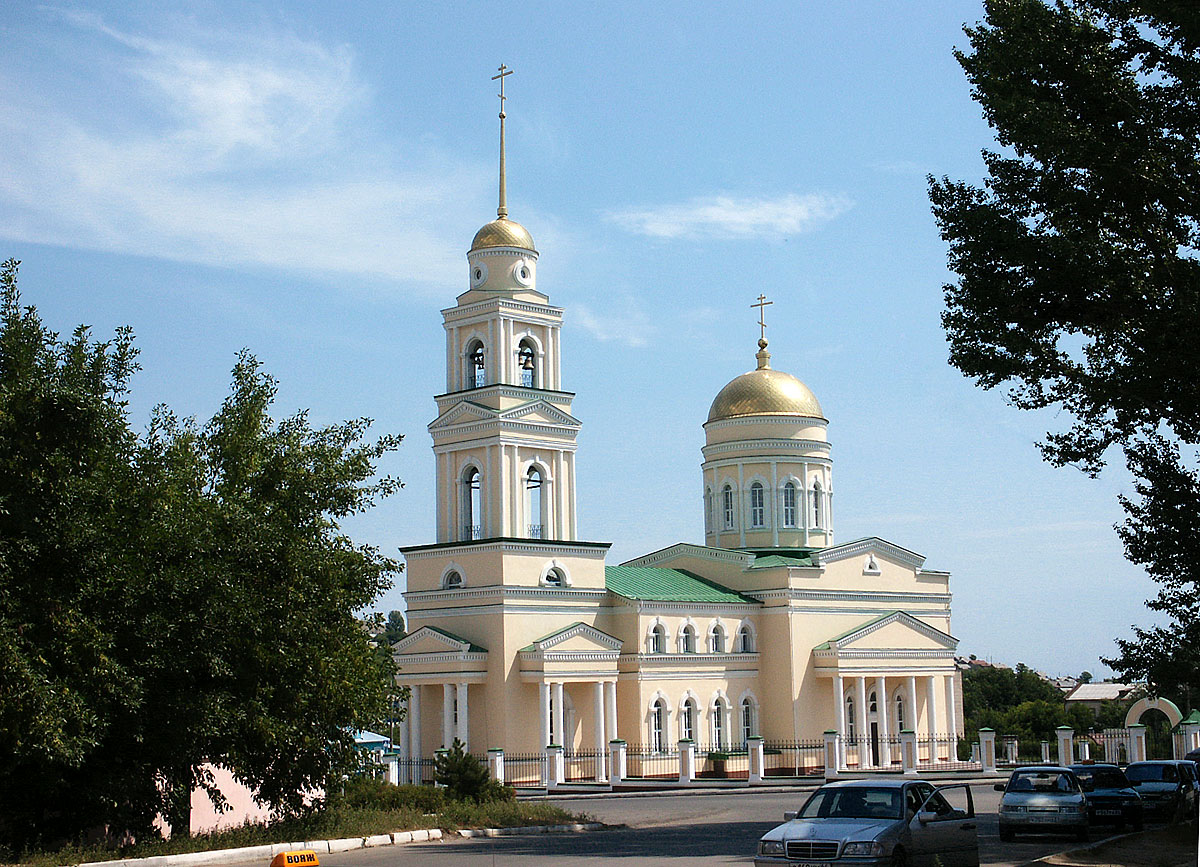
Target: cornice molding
(794, 594)
(688, 549)
(789, 420)
(949, 642)
(505, 592)
(591, 550)
(872, 544)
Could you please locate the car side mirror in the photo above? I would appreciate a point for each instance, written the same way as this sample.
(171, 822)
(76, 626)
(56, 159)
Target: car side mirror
(789, 815)
(999, 787)
(926, 816)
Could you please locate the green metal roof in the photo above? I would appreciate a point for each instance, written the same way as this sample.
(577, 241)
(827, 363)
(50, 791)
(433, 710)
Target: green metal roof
(474, 648)
(668, 585)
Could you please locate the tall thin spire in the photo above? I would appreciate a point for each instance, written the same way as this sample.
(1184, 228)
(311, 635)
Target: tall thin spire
(763, 357)
(502, 211)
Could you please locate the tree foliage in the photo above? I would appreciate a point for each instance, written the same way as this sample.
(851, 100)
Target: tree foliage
(171, 599)
(1078, 281)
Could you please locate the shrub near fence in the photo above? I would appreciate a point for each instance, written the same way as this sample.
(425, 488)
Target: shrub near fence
(715, 763)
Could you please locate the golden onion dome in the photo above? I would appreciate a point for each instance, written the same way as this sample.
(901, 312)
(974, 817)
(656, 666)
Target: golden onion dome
(503, 233)
(765, 392)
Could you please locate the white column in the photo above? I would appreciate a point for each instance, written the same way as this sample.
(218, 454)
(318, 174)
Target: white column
(931, 704)
(610, 709)
(463, 728)
(914, 718)
(544, 701)
(742, 505)
(414, 722)
(860, 711)
(601, 740)
(776, 506)
(556, 707)
(839, 711)
(882, 709)
(447, 714)
(951, 721)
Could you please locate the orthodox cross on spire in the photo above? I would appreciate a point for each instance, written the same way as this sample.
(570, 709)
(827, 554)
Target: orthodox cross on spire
(762, 306)
(504, 71)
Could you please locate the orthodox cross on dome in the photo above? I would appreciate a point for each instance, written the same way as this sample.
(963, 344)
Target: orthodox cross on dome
(762, 306)
(504, 71)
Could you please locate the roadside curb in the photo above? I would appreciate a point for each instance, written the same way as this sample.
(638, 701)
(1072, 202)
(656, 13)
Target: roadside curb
(754, 789)
(270, 850)
(530, 830)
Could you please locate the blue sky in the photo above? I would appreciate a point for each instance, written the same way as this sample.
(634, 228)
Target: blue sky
(304, 179)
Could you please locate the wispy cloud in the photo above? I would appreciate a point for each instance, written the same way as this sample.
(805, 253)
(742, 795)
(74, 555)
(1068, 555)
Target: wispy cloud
(741, 217)
(228, 148)
(623, 320)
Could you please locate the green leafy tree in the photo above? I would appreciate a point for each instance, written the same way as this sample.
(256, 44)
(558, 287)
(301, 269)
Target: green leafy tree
(1078, 283)
(173, 600)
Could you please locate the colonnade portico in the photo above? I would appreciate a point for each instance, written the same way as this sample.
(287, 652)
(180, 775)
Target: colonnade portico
(455, 716)
(874, 748)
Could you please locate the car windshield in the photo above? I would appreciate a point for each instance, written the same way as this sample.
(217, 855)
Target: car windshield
(1151, 773)
(1103, 778)
(853, 802)
(1042, 781)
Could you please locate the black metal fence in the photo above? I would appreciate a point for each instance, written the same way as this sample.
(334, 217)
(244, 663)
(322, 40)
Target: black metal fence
(646, 763)
(793, 758)
(581, 765)
(415, 771)
(722, 763)
(525, 770)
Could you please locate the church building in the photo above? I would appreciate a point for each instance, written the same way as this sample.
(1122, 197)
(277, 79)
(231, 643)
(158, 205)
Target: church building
(522, 635)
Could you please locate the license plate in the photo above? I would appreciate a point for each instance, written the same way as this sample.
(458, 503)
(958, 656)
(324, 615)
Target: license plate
(1108, 812)
(1036, 818)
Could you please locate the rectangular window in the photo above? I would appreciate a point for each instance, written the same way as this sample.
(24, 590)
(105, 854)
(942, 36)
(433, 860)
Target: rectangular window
(727, 507)
(757, 512)
(789, 506)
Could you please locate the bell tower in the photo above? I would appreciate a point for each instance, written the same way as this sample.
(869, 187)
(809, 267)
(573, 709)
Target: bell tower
(504, 437)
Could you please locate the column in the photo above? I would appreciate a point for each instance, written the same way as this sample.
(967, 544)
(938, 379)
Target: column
(1065, 736)
(860, 711)
(610, 709)
(912, 718)
(931, 704)
(951, 713)
(601, 740)
(544, 701)
(776, 505)
(414, 722)
(839, 703)
(463, 727)
(556, 707)
(447, 714)
(882, 709)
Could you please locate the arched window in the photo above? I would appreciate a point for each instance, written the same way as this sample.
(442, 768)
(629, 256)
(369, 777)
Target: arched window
(758, 511)
(749, 720)
(472, 504)
(745, 639)
(872, 704)
(658, 726)
(527, 364)
(899, 712)
(687, 639)
(851, 719)
(716, 639)
(708, 510)
(727, 507)
(718, 723)
(452, 580)
(555, 578)
(476, 374)
(658, 639)
(818, 511)
(789, 504)
(687, 721)
(533, 502)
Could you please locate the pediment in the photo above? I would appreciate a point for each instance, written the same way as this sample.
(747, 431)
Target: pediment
(897, 631)
(464, 411)
(428, 640)
(574, 638)
(539, 411)
(874, 546)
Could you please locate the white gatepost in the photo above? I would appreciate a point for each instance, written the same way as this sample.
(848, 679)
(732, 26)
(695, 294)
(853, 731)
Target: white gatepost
(1085, 750)
(754, 746)
(392, 771)
(1046, 752)
(554, 764)
(908, 752)
(1137, 743)
(1011, 748)
(1066, 738)
(496, 764)
(618, 768)
(833, 749)
(1191, 737)
(987, 749)
(687, 760)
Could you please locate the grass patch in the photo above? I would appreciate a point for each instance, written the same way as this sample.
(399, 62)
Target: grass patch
(402, 811)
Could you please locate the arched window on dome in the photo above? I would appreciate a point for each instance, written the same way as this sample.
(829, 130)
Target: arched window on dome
(534, 490)
(789, 504)
(472, 504)
(727, 510)
(818, 507)
(758, 510)
(476, 372)
(527, 363)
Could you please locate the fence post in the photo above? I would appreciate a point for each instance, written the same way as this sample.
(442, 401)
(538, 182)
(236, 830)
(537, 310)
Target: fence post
(687, 760)
(617, 760)
(1046, 752)
(754, 745)
(1066, 737)
(908, 752)
(496, 764)
(1011, 749)
(1191, 737)
(1137, 743)
(391, 771)
(554, 765)
(987, 750)
(833, 752)
(1085, 749)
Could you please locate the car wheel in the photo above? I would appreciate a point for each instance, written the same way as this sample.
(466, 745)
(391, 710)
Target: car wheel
(899, 858)
(1006, 834)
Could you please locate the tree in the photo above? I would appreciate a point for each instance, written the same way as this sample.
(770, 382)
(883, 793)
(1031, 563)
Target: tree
(171, 600)
(1078, 283)
(394, 629)
(1084, 677)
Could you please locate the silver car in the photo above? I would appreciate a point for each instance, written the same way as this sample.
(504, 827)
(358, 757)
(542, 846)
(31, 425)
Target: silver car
(1046, 799)
(875, 822)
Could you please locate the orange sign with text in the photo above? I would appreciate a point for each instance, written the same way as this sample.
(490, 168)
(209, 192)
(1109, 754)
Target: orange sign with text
(303, 858)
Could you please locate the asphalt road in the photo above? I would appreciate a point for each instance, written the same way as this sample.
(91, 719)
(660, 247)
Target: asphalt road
(697, 828)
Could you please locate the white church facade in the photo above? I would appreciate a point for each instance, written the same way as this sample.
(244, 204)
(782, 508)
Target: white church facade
(523, 636)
